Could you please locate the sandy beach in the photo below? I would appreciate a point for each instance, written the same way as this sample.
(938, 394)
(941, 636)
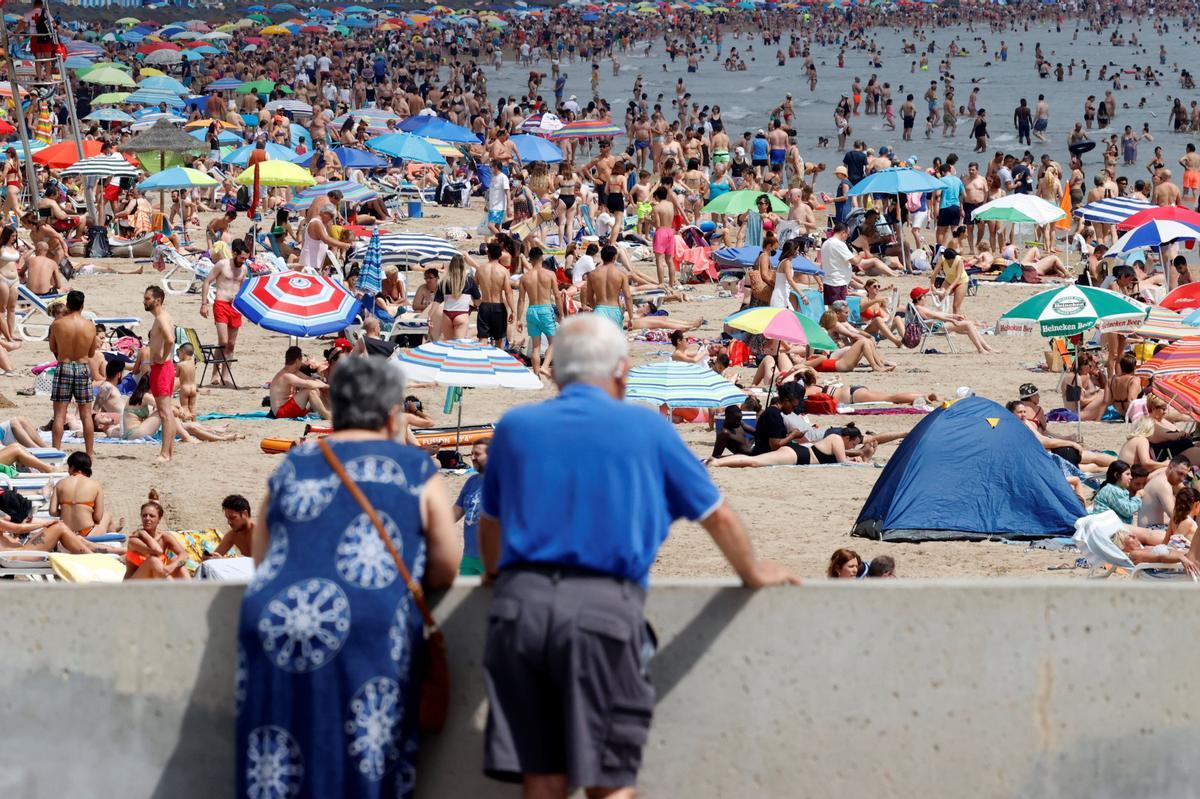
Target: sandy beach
(795, 515)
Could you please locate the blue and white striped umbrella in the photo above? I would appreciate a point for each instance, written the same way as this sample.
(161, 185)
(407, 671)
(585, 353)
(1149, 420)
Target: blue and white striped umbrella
(370, 278)
(352, 193)
(154, 97)
(108, 115)
(467, 363)
(410, 249)
(1112, 210)
(224, 85)
(681, 385)
(297, 304)
(275, 152)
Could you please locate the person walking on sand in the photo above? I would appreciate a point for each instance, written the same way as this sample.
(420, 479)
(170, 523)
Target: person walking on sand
(73, 344)
(228, 274)
(162, 367)
(539, 304)
(663, 219)
(564, 710)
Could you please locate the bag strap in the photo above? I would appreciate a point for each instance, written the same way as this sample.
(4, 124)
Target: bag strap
(414, 587)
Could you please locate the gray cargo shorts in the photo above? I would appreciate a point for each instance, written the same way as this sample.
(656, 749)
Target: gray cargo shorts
(567, 681)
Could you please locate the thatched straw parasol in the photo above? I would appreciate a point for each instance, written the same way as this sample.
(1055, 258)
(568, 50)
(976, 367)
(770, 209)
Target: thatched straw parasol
(162, 137)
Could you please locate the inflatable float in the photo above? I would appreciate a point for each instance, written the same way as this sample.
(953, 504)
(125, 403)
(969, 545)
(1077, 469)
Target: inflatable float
(429, 437)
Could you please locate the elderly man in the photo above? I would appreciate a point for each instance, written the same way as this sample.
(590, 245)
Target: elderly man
(565, 710)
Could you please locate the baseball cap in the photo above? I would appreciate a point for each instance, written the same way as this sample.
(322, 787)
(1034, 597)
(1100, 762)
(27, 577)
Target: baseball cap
(1027, 390)
(917, 293)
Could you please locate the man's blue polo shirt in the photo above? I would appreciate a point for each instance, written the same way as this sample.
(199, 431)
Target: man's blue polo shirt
(587, 481)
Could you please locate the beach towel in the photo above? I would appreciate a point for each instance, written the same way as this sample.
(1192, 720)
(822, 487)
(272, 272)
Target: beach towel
(874, 410)
(699, 257)
(209, 417)
(87, 568)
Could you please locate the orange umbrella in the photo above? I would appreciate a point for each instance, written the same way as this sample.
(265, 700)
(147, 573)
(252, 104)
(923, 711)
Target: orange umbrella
(65, 153)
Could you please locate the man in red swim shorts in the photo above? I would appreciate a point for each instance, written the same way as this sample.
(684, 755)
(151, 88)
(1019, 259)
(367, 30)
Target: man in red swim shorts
(162, 368)
(228, 274)
(294, 393)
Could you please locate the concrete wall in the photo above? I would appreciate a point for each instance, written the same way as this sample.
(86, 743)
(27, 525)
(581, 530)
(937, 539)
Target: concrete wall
(890, 689)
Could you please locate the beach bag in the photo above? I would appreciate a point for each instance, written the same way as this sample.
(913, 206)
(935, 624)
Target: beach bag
(97, 243)
(760, 289)
(912, 332)
(435, 671)
(913, 202)
(820, 405)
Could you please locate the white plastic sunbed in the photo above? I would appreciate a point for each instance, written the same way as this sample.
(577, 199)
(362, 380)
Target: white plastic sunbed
(1094, 535)
(34, 322)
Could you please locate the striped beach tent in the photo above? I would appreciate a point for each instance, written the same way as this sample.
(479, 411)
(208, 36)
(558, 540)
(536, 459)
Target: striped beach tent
(681, 385)
(409, 249)
(1111, 210)
(103, 166)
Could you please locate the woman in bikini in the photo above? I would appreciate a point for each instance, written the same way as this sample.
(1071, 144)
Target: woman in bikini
(10, 282)
(1126, 386)
(154, 554)
(1085, 392)
(12, 183)
(845, 395)
(456, 292)
(831, 449)
(567, 186)
(79, 499)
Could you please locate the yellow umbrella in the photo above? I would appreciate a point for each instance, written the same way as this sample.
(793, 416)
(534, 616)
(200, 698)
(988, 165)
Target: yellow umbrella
(204, 123)
(275, 30)
(148, 72)
(128, 21)
(277, 173)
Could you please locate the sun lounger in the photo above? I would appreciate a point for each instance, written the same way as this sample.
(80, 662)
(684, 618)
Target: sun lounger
(26, 564)
(34, 322)
(181, 272)
(1094, 535)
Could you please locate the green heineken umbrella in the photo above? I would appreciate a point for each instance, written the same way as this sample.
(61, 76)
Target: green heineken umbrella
(261, 86)
(1074, 309)
(739, 202)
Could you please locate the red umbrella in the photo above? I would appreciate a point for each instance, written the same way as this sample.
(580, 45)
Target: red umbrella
(1184, 298)
(65, 153)
(150, 47)
(6, 129)
(1174, 213)
(1179, 391)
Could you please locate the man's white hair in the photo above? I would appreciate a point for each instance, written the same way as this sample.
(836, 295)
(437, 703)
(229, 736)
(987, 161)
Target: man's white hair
(588, 349)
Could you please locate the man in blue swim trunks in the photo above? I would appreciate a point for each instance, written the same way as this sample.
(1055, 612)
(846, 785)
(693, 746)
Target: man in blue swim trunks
(497, 198)
(777, 141)
(606, 287)
(539, 304)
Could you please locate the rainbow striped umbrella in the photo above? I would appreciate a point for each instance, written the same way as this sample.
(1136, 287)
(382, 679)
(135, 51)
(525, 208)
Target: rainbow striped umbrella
(1163, 324)
(1182, 357)
(782, 324)
(296, 304)
(1181, 392)
(466, 363)
(586, 129)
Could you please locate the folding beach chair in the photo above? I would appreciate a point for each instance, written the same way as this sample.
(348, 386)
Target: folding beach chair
(181, 272)
(206, 354)
(1094, 535)
(33, 322)
(927, 328)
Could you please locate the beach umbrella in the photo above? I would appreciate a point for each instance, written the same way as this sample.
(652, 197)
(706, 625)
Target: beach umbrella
(1161, 213)
(681, 385)
(377, 118)
(1154, 233)
(223, 85)
(897, 180)
(781, 324)
(1184, 298)
(438, 128)
(465, 363)
(1027, 209)
(277, 173)
(352, 157)
(290, 106)
(207, 123)
(542, 123)
(275, 152)
(6, 89)
(587, 129)
(180, 177)
(65, 153)
(151, 72)
(1181, 357)
(407, 147)
(1180, 391)
(1163, 324)
(409, 249)
(223, 136)
(162, 137)
(162, 83)
(739, 202)
(262, 86)
(352, 193)
(102, 166)
(370, 276)
(165, 57)
(297, 304)
(110, 98)
(1112, 210)
(107, 76)
(150, 97)
(108, 115)
(534, 148)
(1071, 310)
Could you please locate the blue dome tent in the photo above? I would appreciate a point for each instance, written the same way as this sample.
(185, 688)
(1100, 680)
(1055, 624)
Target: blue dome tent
(972, 471)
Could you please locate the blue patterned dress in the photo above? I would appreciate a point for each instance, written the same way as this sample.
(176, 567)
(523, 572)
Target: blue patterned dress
(325, 703)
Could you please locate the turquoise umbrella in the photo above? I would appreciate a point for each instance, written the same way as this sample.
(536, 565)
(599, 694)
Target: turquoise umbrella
(407, 147)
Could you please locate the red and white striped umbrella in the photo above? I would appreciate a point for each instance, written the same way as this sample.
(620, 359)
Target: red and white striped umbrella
(297, 304)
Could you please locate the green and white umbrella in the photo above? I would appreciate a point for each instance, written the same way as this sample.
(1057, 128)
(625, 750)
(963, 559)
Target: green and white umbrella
(1019, 209)
(681, 385)
(1074, 309)
(739, 202)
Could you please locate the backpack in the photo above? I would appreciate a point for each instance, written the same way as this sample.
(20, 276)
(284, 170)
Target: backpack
(913, 202)
(97, 243)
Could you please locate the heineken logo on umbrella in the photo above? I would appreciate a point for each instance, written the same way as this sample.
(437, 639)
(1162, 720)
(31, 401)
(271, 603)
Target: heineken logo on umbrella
(1068, 306)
